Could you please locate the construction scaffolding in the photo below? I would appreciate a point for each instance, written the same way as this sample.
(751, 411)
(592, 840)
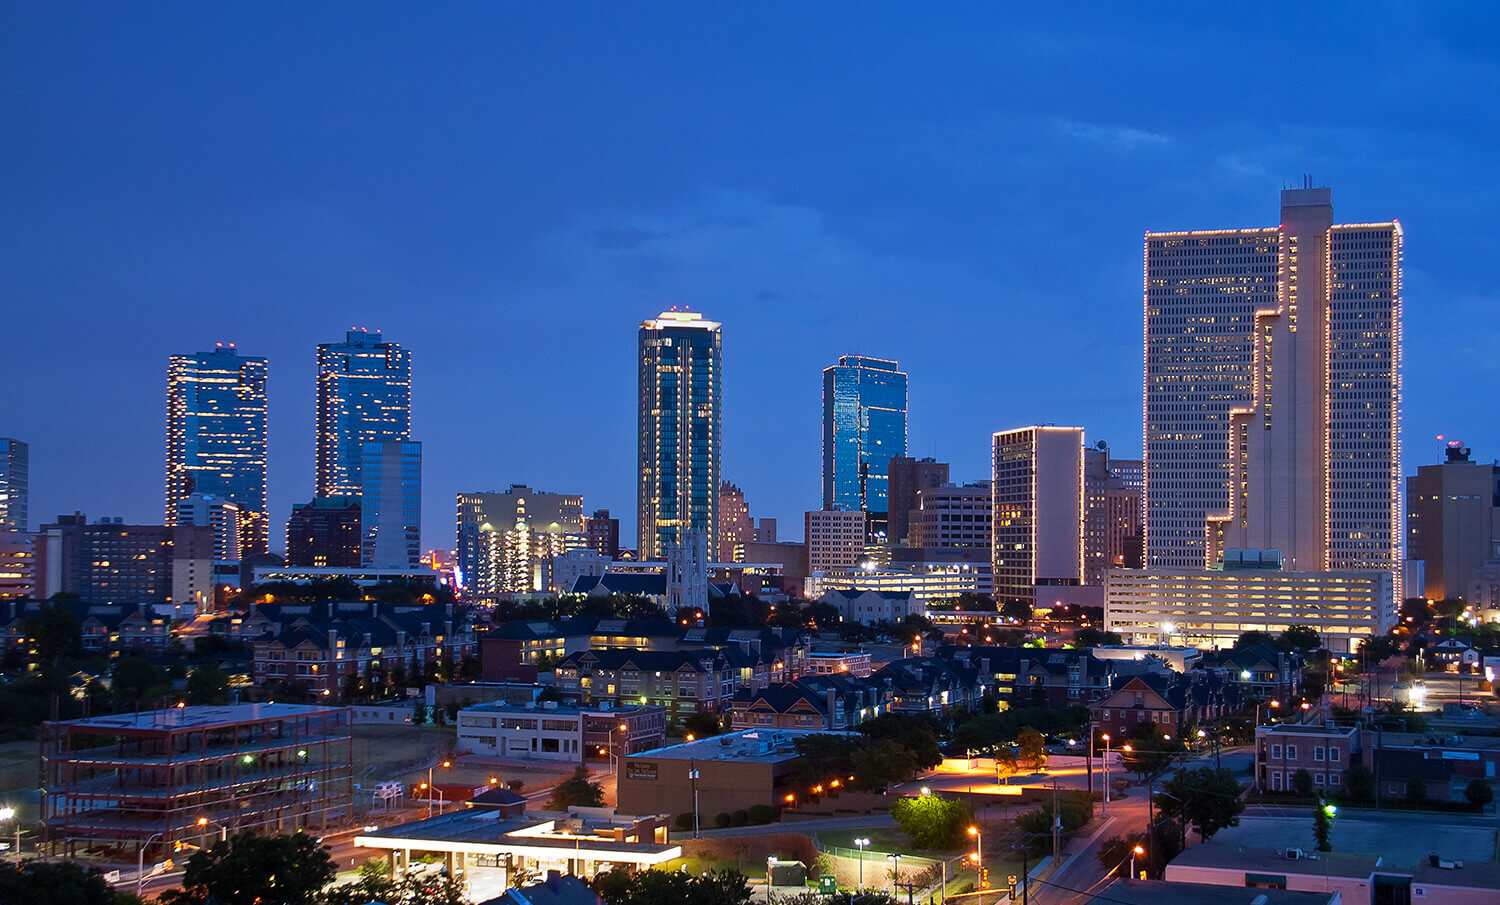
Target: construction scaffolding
(190, 774)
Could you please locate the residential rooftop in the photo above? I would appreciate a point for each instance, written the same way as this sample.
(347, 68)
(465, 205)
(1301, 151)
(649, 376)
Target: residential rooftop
(756, 746)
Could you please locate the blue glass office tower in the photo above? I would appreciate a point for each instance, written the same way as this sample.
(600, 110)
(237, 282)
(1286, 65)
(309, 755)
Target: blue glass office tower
(364, 396)
(864, 426)
(216, 436)
(15, 471)
(391, 504)
(679, 430)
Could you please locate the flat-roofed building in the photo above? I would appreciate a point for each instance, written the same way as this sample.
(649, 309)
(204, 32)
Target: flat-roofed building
(557, 732)
(1212, 608)
(1038, 514)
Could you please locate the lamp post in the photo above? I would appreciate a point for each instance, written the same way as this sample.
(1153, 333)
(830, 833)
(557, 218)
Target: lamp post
(10, 814)
(1133, 852)
(614, 760)
(140, 860)
(431, 786)
(1104, 769)
(895, 873)
(861, 843)
(203, 823)
(693, 775)
(978, 853)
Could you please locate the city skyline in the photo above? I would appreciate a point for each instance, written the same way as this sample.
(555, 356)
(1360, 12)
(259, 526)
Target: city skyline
(1007, 219)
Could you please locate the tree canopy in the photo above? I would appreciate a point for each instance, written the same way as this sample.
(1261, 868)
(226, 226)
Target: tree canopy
(933, 822)
(246, 869)
(576, 791)
(1209, 799)
(58, 883)
(663, 887)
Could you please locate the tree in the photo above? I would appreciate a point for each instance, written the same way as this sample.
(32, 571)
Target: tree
(933, 822)
(1073, 810)
(1117, 850)
(916, 733)
(1300, 638)
(208, 685)
(1254, 636)
(1323, 826)
(1093, 637)
(703, 724)
(247, 869)
(1005, 764)
(662, 887)
(576, 790)
(1016, 610)
(1209, 799)
(55, 631)
(1416, 789)
(1361, 782)
(1032, 749)
(135, 681)
(376, 886)
(882, 763)
(1151, 752)
(58, 883)
(1302, 783)
(1479, 793)
(419, 714)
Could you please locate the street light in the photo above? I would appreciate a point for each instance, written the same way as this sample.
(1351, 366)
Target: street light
(693, 775)
(861, 843)
(614, 760)
(978, 851)
(203, 823)
(431, 785)
(895, 873)
(10, 814)
(1133, 852)
(1104, 811)
(140, 860)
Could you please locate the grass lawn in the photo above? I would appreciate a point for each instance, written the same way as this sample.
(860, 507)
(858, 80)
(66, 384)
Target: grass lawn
(883, 839)
(19, 763)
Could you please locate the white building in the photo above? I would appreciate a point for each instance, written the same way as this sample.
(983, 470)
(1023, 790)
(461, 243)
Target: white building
(1273, 390)
(1211, 608)
(873, 606)
(557, 732)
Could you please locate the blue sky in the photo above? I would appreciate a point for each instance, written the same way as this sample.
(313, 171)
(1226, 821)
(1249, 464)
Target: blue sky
(508, 189)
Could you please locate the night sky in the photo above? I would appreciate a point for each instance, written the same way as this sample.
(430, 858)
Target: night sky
(508, 189)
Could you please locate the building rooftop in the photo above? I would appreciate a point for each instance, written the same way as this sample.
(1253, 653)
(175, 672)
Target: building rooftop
(1340, 864)
(757, 746)
(1161, 892)
(177, 718)
(1305, 729)
(552, 708)
(540, 834)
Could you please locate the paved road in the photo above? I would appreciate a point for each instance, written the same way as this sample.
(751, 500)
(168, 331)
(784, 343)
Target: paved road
(1080, 875)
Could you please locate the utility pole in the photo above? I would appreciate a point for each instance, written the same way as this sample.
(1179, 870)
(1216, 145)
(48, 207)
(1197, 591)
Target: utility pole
(1056, 824)
(1090, 760)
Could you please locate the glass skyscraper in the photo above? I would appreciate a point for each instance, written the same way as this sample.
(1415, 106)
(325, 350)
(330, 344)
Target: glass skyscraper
(364, 396)
(679, 430)
(864, 427)
(216, 436)
(391, 504)
(15, 471)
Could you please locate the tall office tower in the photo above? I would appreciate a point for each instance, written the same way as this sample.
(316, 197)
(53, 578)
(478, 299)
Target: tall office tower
(222, 515)
(602, 534)
(325, 532)
(216, 436)
(835, 539)
(1273, 390)
(506, 541)
(679, 432)
(1095, 513)
(909, 477)
(864, 427)
(15, 484)
(112, 562)
(1452, 521)
(1122, 523)
(364, 396)
(1038, 510)
(390, 504)
(735, 527)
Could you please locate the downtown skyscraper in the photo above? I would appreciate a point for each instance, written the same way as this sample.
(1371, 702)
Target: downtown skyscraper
(364, 396)
(1273, 391)
(679, 431)
(864, 427)
(15, 484)
(216, 436)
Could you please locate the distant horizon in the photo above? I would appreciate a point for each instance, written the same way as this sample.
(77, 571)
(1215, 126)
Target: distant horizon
(507, 192)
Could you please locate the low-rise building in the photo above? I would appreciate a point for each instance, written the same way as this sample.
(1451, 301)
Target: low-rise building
(1326, 752)
(737, 770)
(1166, 701)
(872, 606)
(681, 681)
(557, 732)
(1161, 892)
(829, 702)
(1352, 878)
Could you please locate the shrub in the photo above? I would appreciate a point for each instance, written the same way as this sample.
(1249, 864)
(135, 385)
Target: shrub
(740, 817)
(722, 820)
(1302, 783)
(684, 821)
(1479, 793)
(762, 813)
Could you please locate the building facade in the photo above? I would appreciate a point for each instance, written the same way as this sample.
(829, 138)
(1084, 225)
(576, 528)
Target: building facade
(735, 526)
(111, 562)
(864, 427)
(557, 732)
(602, 534)
(17, 564)
(909, 477)
(1453, 521)
(364, 396)
(835, 539)
(216, 436)
(1272, 391)
(507, 541)
(223, 516)
(1212, 608)
(390, 504)
(1038, 510)
(679, 430)
(325, 532)
(15, 484)
(953, 517)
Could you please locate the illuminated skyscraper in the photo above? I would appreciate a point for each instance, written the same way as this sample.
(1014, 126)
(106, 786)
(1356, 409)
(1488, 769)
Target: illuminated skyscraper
(864, 427)
(679, 430)
(391, 504)
(15, 472)
(1273, 391)
(735, 526)
(506, 540)
(364, 396)
(1038, 510)
(216, 436)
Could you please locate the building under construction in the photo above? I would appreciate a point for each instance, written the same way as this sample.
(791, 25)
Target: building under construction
(188, 774)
